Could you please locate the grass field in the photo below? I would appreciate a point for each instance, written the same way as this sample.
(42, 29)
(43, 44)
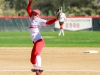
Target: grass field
(71, 39)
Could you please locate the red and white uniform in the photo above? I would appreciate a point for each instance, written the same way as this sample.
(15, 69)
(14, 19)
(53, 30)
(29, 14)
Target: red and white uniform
(61, 23)
(61, 20)
(62, 17)
(35, 25)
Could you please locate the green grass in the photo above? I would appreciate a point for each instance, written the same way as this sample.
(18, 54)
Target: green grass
(15, 39)
(71, 39)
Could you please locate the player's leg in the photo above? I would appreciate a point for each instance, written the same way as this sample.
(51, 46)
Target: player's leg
(35, 57)
(62, 32)
(59, 33)
(61, 27)
(38, 72)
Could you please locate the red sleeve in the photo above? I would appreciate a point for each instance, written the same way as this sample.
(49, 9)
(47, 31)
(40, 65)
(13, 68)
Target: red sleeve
(50, 21)
(29, 8)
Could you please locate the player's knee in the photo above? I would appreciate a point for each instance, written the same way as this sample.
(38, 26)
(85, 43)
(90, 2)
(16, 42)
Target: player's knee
(36, 53)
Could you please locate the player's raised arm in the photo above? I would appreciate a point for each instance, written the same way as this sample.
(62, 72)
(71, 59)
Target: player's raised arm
(29, 7)
(49, 22)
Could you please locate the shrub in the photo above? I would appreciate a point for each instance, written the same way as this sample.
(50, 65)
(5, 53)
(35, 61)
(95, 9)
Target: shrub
(9, 12)
(98, 12)
(22, 13)
(88, 11)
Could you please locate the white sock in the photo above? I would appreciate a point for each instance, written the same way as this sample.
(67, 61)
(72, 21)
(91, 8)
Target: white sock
(59, 32)
(38, 59)
(35, 64)
(62, 32)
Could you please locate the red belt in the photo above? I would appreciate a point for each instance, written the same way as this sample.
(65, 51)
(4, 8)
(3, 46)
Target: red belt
(33, 27)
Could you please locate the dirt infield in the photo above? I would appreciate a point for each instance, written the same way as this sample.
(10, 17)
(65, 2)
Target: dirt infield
(55, 61)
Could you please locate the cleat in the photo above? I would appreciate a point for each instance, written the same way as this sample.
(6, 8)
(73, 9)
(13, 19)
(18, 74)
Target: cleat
(40, 70)
(58, 34)
(37, 69)
(34, 70)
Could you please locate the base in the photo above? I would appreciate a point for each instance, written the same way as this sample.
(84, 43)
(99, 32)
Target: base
(91, 51)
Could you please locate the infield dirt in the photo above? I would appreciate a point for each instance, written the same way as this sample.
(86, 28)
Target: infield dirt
(55, 61)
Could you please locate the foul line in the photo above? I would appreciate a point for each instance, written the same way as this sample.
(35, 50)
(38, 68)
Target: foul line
(51, 70)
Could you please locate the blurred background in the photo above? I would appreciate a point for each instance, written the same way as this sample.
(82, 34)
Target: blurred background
(14, 17)
(48, 7)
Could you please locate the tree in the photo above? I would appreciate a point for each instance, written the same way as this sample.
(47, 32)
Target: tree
(17, 4)
(47, 6)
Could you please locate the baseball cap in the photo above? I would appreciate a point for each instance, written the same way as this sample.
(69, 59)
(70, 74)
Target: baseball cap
(36, 11)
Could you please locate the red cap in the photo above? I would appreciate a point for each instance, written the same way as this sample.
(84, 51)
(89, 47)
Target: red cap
(36, 11)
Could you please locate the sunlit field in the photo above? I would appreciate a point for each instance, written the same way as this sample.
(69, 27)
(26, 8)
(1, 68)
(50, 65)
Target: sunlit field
(71, 39)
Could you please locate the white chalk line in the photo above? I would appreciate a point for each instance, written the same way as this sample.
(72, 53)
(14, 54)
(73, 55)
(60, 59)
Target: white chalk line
(51, 70)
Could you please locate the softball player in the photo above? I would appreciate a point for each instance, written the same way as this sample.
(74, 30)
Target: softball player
(35, 24)
(61, 20)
